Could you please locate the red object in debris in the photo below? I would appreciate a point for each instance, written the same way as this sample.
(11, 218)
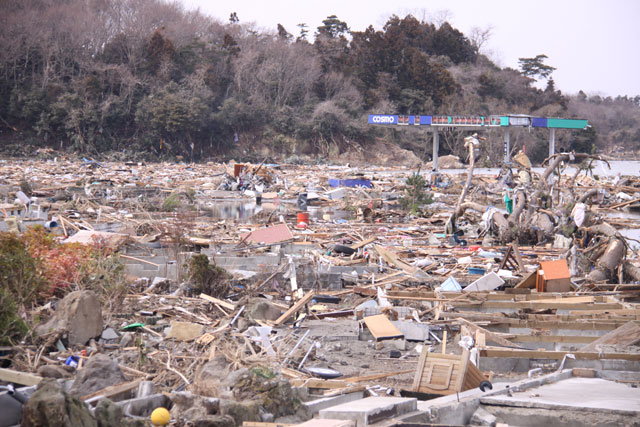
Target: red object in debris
(303, 219)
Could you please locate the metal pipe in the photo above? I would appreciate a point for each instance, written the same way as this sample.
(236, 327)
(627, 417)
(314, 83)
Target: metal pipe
(313, 344)
(284, 362)
(236, 316)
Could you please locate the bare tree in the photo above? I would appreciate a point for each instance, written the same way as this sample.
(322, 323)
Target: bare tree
(275, 73)
(480, 36)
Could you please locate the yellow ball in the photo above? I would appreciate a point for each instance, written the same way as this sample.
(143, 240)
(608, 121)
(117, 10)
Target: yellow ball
(160, 417)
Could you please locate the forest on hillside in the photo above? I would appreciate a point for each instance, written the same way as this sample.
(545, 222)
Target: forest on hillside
(149, 79)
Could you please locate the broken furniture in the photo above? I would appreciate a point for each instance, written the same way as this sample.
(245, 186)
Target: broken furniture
(446, 373)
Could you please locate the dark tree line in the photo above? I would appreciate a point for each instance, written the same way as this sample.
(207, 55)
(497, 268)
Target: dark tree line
(150, 77)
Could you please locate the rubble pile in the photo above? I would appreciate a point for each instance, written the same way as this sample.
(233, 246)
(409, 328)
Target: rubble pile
(231, 294)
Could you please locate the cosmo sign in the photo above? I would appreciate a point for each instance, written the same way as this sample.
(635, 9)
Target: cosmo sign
(383, 119)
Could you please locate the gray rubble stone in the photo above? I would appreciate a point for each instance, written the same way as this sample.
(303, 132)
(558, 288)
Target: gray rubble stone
(78, 315)
(99, 372)
(482, 417)
(51, 406)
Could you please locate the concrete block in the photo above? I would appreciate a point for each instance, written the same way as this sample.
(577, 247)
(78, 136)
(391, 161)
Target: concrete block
(327, 423)
(482, 418)
(370, 410)
(337, 194)
(315, 406)
(143, 406)
(413, 331)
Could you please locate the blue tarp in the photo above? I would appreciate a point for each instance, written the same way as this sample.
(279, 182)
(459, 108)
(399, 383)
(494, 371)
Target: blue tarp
(350, 183)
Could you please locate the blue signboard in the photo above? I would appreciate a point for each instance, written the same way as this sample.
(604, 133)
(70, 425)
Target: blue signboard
(425, 120)
(383, 119)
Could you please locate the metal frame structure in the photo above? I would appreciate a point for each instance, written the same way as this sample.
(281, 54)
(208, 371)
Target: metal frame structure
(437, 123)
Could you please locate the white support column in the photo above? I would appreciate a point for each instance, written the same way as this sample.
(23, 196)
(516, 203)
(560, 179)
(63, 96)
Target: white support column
(507, 146)
(552, 142)
(436, 148)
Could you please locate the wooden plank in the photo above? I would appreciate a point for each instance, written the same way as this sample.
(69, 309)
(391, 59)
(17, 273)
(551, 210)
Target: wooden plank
(516, 252)
(318, 383)
(627, 334)
(391, 258)
(570, 300)
(220, 302)
(113, 390)
(462, 371)
(374, 377)
(556, 355)
(420, 369)
(17, 377)
(488, 334)
(492, 296)
(381, 327)
(350, 389)
(543, 321)
(295, 308)
(529, 282)
(364, 242)
(618, 312)
(535, 305)
(567, 339)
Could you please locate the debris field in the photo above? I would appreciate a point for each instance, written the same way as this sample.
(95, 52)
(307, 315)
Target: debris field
(268, 295)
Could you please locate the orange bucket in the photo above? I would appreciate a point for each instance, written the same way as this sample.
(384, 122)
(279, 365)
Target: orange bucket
(303, 219)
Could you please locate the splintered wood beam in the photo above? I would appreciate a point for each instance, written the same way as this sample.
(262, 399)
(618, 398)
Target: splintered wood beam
(627, 334)
(220, 302)
(295, 308)
(490, 336)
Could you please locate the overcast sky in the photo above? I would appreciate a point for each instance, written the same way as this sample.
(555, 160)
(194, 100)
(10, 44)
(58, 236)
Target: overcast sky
(592, 43)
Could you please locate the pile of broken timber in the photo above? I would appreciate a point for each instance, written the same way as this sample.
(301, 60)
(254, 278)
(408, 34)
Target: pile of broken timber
(540, 327)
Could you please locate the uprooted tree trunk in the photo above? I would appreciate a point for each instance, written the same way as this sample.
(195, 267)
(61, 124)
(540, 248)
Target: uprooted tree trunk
(450, 226)
(609, 253)
(631, 271)
(532, 220)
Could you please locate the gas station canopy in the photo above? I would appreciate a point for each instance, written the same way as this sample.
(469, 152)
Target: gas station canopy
(478, 122)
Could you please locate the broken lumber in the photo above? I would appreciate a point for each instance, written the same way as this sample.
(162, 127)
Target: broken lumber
(392, 259)
(318, 383)
(488, 334)
(294, 309)
(376, 376)
(112, 390)
(627, 334)
(16, 377)
(220, 302)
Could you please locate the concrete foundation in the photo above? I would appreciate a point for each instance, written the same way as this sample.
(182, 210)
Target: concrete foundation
(315, 406)
(370, 410)
(575, 393)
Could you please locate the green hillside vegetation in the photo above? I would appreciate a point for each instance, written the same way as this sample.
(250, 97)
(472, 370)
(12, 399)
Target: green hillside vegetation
(151, 80)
